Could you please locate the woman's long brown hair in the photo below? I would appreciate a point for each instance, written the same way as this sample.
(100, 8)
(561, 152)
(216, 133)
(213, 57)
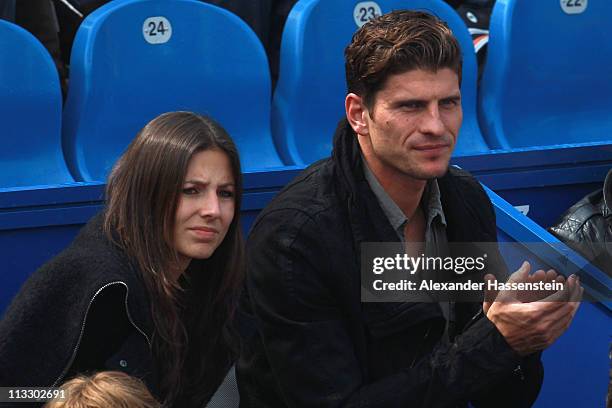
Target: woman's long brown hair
(193, 318)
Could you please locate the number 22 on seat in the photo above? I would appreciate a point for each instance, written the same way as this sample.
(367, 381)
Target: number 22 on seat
(574, 6)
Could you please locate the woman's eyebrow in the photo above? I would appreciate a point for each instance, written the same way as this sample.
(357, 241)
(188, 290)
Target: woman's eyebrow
(195, 181)
(205, 183)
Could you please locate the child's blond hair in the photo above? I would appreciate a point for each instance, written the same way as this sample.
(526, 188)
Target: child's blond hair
(106, 389)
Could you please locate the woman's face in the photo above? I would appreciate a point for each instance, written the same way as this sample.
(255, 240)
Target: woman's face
(206, 206)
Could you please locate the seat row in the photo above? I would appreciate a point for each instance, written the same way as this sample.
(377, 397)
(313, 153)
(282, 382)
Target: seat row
(547, 79)
(546, 82)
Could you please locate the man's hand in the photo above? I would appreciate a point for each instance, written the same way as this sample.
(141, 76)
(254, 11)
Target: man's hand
(530, 321)
(524, 296)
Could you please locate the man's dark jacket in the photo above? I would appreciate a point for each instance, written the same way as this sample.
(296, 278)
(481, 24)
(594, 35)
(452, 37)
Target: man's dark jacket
(315, 343)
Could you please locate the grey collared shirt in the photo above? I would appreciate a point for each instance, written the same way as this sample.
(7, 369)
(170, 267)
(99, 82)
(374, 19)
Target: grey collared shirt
(435, 226)
(436, 241)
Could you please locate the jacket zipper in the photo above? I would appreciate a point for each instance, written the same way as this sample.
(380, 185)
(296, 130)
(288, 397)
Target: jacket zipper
(421, 345)
(76, 347)
(473, 319)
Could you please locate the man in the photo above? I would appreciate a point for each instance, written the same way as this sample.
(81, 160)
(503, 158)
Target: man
(388, 180)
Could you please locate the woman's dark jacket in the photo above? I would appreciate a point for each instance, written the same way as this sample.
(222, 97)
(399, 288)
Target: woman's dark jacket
(315, 344)
(86, 310)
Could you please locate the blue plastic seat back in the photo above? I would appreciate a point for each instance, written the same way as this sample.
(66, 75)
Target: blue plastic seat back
(133, 60)
(309, 98)
(548, 79)
(30, 112)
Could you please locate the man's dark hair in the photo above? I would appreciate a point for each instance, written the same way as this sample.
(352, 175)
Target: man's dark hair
(398, 42)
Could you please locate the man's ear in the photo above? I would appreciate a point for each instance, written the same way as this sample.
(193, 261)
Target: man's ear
(356, 113)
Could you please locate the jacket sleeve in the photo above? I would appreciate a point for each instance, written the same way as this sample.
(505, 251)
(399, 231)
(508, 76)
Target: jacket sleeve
(520, 386)
(54, 328)
(38, 330)
(518, 389)
(307, 341)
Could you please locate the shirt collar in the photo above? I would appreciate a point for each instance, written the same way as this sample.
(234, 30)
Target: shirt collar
(394, 214)
(434, 202)
(397, 218)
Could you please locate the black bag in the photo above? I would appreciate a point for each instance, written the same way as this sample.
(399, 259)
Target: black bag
(587, 227)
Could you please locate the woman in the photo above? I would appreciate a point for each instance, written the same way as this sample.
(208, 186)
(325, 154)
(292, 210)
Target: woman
(149, 287)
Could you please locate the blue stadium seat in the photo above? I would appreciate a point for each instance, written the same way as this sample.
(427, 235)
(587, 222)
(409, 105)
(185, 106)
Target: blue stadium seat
(547, 79)
(30, 112)
(309, 98)
(135, 59)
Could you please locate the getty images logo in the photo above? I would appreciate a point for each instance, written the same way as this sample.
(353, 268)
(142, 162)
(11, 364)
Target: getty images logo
(412, 264)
